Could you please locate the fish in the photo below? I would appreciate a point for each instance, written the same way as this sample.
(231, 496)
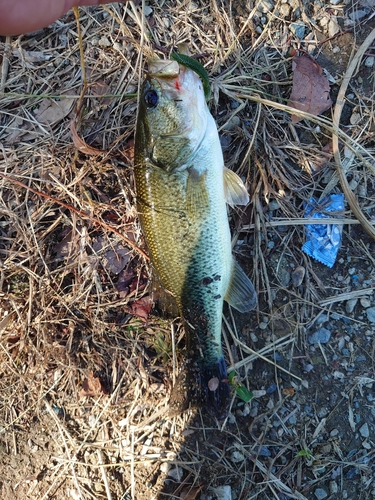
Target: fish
(182, 193)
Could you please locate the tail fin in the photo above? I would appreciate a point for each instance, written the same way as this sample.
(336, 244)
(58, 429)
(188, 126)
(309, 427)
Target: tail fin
(202, 385)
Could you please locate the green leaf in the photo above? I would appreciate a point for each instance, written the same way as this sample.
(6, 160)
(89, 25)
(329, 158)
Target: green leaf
(231, 376)
(244, 393)
(304, 453)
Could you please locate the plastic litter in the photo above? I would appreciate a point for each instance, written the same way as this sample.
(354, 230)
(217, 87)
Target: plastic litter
(323, 240)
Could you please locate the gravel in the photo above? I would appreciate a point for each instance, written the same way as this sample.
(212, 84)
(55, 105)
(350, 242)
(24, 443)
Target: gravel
(322, 335)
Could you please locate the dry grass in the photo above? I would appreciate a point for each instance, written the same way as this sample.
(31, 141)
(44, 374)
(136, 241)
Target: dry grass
(85, 380)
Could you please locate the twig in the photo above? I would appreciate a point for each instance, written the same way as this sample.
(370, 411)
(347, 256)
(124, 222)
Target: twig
(82, 214)
(352, 200)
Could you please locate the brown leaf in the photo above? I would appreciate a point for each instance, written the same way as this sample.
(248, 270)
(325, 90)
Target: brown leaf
(91, 386)
(142, 307)
(190, 493)
(51, 111)
(310, 92)
(322, 158)
(80, 144)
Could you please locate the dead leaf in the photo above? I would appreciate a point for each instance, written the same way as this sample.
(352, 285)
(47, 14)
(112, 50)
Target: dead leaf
(31, 56)
(80, 144)
(142, 307)
(322, 158)
(51, 111)
(99, 89)
(115, 260)
(310, 92)
(91, 386)
(288, 391)
(68, 246)
(190, 493)
(125, 278)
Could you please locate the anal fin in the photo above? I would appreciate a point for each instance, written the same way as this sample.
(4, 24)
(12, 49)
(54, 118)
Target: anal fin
(241, 293)
(235, 190)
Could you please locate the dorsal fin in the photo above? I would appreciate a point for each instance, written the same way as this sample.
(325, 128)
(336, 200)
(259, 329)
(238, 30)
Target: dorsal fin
(241, 293)
(234, 189)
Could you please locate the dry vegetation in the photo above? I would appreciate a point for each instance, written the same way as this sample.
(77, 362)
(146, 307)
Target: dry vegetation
(85, 368)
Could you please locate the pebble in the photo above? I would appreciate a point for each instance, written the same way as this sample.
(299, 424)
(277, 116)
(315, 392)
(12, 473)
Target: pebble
(333, 27)
(147, 11)
(320, 493)
(104, 42)
(223, 492)
(322, 335)
(265, 6)
(357, 14)
(333, 487)
(335, 2)
(334, 432)
(365, 302)
(364, 430)
(350, 305)
(298, 29)
(297, 275)
(237, 457)
(369, 62)
(370, 312)
(273, 205)
(232, 123)
(284, 10)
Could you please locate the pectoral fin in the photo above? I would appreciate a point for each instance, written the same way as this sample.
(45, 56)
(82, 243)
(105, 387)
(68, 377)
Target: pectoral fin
(241, 294)
(235, 190)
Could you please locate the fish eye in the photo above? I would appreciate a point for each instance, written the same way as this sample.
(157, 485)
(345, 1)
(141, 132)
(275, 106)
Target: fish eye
(151, 99)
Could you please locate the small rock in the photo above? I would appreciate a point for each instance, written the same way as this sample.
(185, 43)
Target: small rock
(104, 42)
(350, 305)
(320, 493)
(265, 6)
(176, 473)
(353, 184)
(365, 302)
(147, 11)
(357, 14)
(333, 487)
(165, 467)
(335, 2)
(370, 312)
(355, 118)
(322, 335)
(333, 27)
(223, 492)
(298, 29)
(334, 433)
(366, 445)
(273, 205)
(369, 62)
(364, 430)
(297, 275)
(237, 457)
(232, 123)
(284, 10)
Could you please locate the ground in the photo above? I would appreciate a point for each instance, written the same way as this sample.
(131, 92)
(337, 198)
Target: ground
(86, 365)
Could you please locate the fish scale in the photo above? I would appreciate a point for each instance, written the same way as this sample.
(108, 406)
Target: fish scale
(181, 192)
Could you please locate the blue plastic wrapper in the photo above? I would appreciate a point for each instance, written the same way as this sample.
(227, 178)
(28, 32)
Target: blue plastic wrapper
(323, 240)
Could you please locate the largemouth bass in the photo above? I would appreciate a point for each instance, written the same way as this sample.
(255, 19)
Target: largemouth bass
(182, 195)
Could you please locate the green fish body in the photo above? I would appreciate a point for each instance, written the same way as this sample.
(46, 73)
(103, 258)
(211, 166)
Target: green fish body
(182, 191)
